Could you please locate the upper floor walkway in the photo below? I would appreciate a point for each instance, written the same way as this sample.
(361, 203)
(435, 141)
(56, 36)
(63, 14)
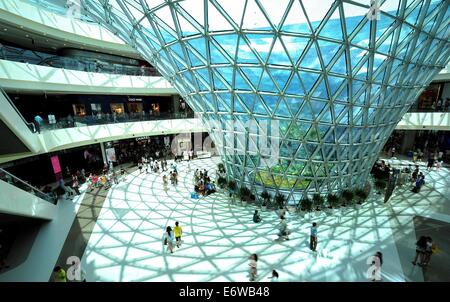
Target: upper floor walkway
(29, 77)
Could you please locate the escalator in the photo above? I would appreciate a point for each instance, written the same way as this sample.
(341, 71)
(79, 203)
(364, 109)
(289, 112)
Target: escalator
(16, 134)
(18, 198)
(24, 209)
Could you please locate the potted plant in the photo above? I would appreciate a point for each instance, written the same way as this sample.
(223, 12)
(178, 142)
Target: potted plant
(232, 188)
(266, 198)
(244, 193)
(348, 196)
(222, 182)
(318, 201)
(333, 201)
(307, 204)
(361, 196)
(221, 168)
(280, 200)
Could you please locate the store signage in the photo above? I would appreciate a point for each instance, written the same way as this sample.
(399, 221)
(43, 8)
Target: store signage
(111, 154)
(134, 99)
(142, 138)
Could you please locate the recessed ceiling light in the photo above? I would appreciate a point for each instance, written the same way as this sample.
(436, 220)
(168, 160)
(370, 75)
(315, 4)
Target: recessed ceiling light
(5, 29)
(27, 36)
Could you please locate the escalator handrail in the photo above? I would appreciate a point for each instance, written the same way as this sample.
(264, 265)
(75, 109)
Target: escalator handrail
(29, 125)
(33, 189)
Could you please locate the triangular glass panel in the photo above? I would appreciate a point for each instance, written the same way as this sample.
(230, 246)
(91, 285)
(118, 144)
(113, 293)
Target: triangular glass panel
(248, 100)
(226, 73)
(414, 14)
(240, 83)
(340, 65)
(294, 104)
(328, 50)
(306, 112)
(253, 74)
(295, 46)
(270, 101)
(362, 38)
(295, 20)
(356, 55)
(254, 18)
(308, 79)
(196, 60)
(217, 57)
(216, 21)
(259, 108)
(234, 9)
(238, 106)
(282, 109)
(326, 115)
(245, 53)
(278, 55)
(223, 102)
(218, 83)
(361, 73)
(334, 83)
(195, 9)
(266, 83)
(167, 36)
(280, 76)
(386, 45)
(332, 28)
(343, 94)
(354, 14)
(275, 15)
(228, 43)
(311, 59)
(295, 87)
(320, 91)
(186, 27)
(261, 43)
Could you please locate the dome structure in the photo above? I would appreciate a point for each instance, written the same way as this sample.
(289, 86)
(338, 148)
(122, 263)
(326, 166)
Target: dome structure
(297, 96)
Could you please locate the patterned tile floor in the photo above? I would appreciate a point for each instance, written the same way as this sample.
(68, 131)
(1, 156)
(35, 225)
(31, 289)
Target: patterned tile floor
(126, 244)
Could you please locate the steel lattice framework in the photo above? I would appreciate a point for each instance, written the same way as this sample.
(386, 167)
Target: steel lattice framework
(335, 75)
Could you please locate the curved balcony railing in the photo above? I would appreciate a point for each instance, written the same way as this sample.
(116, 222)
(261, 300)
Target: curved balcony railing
(23, 185)
(63, 10)
(108, 118)
(16, 54)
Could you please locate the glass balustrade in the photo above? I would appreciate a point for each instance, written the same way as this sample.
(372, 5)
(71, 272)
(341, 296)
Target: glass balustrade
(23, 185)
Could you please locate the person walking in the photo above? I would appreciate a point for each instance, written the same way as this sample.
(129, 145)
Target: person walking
(430, 163)
(37, 122)
(421, 245)
(140, 167)
(313, 237)
(428, 252)
(253, 267)
(168, 238)
(377, 262)
(75, 184)
(283, 229)
(178, 232)
(274, 277)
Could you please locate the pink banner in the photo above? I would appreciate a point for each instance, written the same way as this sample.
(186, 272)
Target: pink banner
(55, 164)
